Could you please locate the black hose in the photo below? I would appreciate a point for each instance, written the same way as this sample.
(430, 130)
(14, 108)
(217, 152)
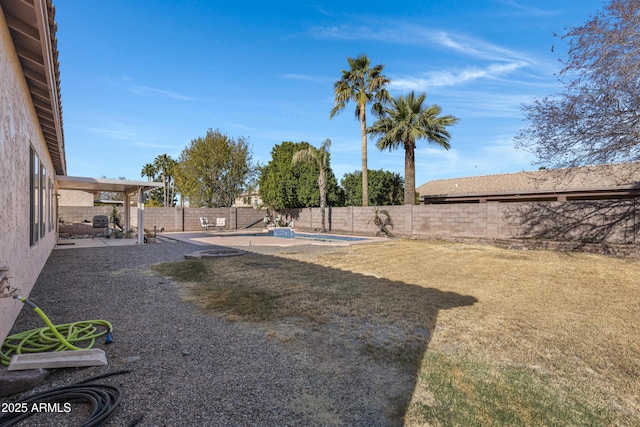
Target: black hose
(103, 399)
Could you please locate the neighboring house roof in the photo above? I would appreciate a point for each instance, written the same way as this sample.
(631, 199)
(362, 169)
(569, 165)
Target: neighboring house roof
(583, 182)
(33, 31)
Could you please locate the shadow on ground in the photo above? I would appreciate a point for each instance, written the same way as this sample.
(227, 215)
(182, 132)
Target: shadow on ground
(367, 335)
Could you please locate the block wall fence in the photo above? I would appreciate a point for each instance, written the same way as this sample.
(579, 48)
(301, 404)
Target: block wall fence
(610, 221)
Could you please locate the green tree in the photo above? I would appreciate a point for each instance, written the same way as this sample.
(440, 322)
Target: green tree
(283, 185)
(406, 121)
(319, 156)
(154, 198)
(214, 170)
(385, 188)
(363, 85)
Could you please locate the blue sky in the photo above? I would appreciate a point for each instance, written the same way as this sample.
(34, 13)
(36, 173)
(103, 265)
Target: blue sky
(143, 78)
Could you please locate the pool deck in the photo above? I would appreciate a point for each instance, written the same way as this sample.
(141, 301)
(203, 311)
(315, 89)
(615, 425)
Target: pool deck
(241, 238)
(234, 238)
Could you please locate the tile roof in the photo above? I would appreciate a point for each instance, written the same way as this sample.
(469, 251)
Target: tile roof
(586, 178)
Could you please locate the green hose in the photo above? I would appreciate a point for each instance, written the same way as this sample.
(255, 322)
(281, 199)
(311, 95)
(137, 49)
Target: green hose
(52, 337)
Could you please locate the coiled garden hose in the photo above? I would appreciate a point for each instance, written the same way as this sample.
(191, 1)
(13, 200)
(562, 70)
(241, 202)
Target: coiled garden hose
(53, 337)
(103, 399)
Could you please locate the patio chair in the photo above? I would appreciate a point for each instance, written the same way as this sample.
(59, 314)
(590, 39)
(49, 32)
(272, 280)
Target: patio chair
(204, 223)
(221, 222)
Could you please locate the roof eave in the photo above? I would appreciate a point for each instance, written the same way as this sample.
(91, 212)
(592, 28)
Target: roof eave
(33, 29)
(45, 12)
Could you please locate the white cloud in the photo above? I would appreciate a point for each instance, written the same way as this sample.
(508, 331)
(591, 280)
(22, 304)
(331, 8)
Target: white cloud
(470, 104)
(524, 10)
(349, 32)
(128, 136)
(453, 78)
(398, 32)
(161, 93)
(473, 46)
(114, 133)
(129, 84)
(490, 61)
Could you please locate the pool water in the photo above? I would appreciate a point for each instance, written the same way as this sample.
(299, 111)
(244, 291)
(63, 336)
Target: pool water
(287, 233)
(326, 237)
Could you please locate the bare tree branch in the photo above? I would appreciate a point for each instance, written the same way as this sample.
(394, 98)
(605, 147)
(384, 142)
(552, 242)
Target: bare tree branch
(596, 119)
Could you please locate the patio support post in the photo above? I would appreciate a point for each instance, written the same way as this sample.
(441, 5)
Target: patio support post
(126, 213)
(140, 216)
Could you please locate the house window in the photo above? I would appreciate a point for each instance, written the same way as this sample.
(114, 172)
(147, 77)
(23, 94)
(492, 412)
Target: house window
(34, 207)
(50, 201)
(40, 199)
(43, 207)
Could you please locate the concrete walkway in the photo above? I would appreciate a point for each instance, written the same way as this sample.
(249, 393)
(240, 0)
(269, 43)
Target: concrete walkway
(93, 243)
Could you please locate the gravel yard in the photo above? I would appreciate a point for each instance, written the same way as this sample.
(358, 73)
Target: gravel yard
(189, 368)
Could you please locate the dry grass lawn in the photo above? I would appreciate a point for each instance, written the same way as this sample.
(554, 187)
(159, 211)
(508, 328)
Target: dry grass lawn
(563, 327)
(574, 317)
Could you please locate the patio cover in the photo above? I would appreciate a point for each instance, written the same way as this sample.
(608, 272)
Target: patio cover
(129, 188)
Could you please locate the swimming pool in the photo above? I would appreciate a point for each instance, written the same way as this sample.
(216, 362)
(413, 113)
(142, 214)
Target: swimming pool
(287, 233)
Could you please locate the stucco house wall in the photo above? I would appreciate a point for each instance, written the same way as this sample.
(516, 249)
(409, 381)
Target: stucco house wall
(19, 129)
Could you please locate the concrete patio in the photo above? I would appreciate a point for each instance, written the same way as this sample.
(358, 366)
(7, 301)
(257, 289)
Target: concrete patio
(96, 242)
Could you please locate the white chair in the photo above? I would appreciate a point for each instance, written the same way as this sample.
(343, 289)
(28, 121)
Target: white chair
(221, 222)
(204, 223)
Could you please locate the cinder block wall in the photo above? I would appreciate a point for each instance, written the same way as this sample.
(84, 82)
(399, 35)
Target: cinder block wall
(75, 214)
(612, 221)
(170, 219)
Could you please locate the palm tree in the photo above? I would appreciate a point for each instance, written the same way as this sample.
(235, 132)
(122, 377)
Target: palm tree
(149, 171)
(319, 156)
(405, 121)
(363, 85)
(171, 181)
(163, 164)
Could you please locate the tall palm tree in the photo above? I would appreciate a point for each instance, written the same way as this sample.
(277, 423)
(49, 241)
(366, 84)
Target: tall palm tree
(363, 85)
(163, 164)
(319, 156)
(171, 181)
(149, 171)
(404, 122)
